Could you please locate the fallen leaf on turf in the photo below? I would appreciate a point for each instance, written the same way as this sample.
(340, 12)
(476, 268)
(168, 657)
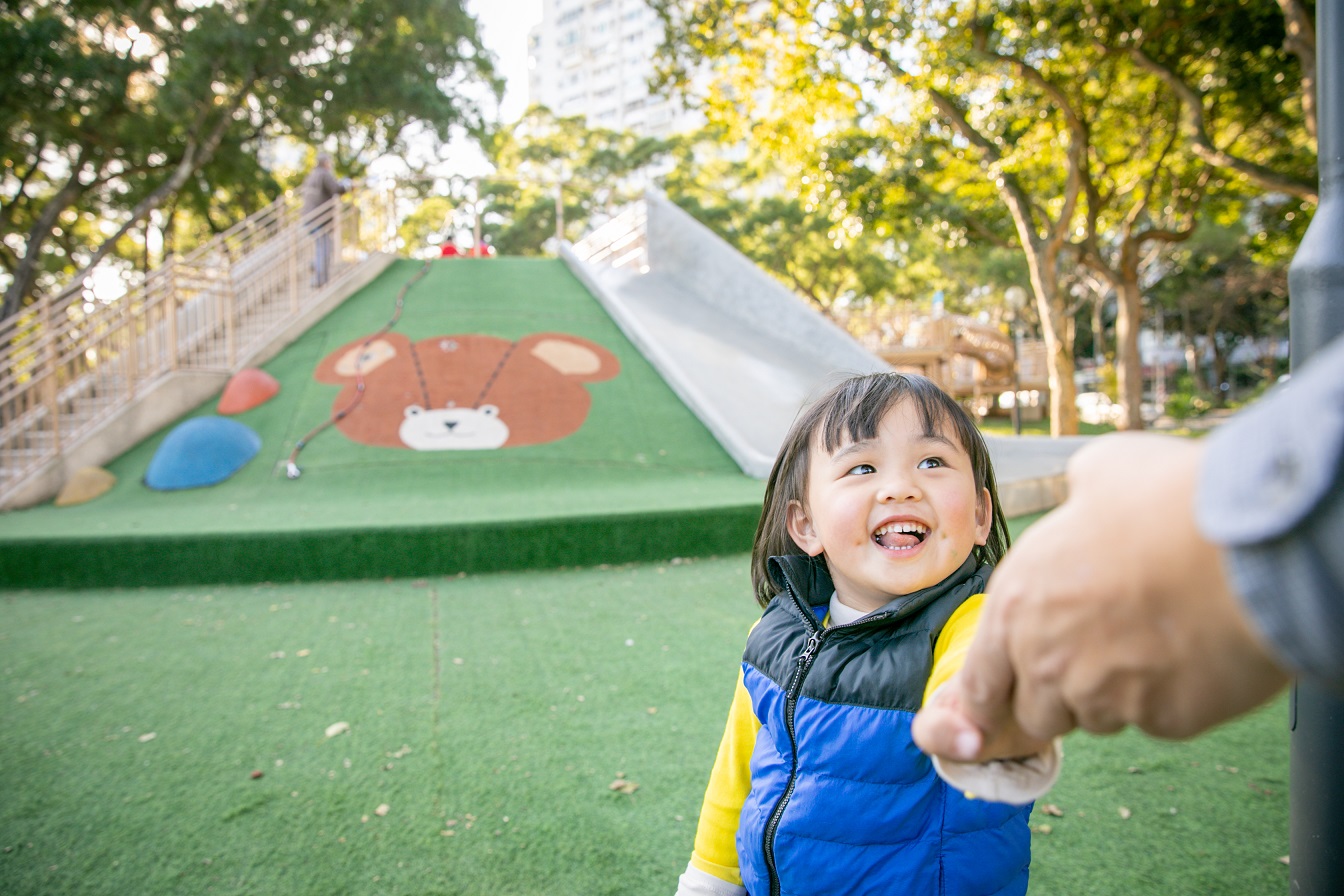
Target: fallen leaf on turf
(399, 754)
(147, 737)
(1042, 829)
(1283, 860)
(336, 728)
(1125, 813)
(382, 810)
(1051, 809)
(623, 786)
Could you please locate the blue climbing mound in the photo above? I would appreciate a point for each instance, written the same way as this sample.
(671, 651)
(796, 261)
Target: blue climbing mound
(201, 451)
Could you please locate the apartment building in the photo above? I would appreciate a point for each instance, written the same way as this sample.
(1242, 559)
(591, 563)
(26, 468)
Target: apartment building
(594, 58)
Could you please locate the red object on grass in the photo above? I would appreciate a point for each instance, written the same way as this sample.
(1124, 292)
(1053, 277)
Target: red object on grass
(247, 388)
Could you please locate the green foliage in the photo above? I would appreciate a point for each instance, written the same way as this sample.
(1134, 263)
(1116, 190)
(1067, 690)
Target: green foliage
(601, 171)
(114, 111)
(1183, 404)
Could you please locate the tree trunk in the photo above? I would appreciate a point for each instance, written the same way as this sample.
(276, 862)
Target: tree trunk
(1098, 327)
(1042, 261)
(1128, 362)
(25, 275)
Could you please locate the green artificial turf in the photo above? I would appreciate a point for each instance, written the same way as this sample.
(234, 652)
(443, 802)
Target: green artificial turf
(491, 715)
(642, 479)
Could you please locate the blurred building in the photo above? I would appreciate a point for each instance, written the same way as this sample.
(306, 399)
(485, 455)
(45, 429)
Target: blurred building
(594, 58)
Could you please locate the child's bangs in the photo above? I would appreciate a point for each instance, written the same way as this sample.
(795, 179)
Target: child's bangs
(858, 410)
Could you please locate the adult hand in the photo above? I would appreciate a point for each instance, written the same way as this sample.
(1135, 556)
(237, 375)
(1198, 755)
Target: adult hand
(1112, 610)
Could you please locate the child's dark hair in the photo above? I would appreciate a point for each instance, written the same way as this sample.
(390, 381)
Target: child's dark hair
(852, 411)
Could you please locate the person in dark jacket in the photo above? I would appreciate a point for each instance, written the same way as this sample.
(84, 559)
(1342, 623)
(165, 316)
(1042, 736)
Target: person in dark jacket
(880, 529)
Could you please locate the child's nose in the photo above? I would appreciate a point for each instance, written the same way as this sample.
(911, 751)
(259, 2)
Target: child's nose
(898, 487)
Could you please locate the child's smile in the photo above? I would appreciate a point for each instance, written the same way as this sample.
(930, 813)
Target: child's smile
(892, 514)
(901, 536)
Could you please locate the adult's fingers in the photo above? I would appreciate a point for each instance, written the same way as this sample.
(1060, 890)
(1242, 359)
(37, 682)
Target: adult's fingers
(987, 678)
(940, 730)
(1020, 666)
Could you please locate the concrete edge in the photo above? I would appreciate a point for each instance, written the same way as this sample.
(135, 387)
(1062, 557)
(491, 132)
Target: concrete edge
(1032, 495)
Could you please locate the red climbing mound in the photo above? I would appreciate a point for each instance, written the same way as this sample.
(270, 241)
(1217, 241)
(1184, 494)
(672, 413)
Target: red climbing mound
(247, 388)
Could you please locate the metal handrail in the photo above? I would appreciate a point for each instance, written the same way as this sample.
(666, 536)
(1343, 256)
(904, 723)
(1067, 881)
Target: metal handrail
(620, 242)
(68, 363)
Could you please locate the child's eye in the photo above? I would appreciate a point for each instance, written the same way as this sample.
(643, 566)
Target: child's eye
(861, 469)
(931, 462)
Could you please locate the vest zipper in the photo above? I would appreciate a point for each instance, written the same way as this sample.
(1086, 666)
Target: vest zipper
(800, 671)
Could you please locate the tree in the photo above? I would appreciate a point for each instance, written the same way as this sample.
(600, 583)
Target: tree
(951, 98)
(596, 170)
(1041, 101)
(115, 110)
(1221, 299)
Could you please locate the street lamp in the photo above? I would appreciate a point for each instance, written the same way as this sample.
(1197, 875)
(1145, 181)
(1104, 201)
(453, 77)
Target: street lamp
(1016, 299)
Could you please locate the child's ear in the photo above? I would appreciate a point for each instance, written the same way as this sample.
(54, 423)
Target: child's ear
(984, 517)
(801, 530)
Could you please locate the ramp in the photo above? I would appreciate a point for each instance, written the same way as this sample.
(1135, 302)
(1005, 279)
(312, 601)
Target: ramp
(741, 350)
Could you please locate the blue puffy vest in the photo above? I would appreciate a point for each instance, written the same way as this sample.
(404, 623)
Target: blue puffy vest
(842, 801)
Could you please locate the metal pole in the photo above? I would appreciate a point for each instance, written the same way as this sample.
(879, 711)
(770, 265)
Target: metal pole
(1016, 297)
(559, 216)
(1316, 315)
(476, 218)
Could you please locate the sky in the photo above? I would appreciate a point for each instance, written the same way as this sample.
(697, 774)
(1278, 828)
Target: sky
(504, 25)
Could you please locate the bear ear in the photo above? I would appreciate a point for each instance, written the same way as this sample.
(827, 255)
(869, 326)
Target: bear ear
(413, 410)
(360, 357)
(573, 357)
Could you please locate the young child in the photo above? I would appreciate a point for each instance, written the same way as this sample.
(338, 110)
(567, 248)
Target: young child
(880, 529)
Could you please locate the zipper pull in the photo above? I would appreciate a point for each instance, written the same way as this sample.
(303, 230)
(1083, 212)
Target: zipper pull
(810, 650)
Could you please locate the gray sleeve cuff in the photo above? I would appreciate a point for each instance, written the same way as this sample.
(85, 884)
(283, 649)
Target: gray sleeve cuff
(1271, 494)
(1274, 462)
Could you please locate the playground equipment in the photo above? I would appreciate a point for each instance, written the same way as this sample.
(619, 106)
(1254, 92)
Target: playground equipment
(970, 359)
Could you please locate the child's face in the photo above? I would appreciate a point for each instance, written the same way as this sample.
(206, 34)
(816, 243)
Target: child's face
(894, 514)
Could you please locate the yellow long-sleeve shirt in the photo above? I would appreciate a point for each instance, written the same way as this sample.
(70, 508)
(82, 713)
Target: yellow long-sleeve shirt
(715, 850)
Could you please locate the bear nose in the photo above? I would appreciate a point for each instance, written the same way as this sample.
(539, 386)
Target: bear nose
(450, 424)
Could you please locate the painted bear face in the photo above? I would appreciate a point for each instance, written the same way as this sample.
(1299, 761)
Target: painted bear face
(448, 429)
(463, 391)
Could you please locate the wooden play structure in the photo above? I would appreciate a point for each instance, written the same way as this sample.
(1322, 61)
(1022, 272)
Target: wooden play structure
(972, 360)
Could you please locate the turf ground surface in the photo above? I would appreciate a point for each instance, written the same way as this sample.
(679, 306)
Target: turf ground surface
(641, 479)
(491, 716)
(487, 725)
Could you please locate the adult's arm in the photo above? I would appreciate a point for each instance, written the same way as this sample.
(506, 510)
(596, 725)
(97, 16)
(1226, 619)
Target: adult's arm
(1178, 585)
(1272, 495)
